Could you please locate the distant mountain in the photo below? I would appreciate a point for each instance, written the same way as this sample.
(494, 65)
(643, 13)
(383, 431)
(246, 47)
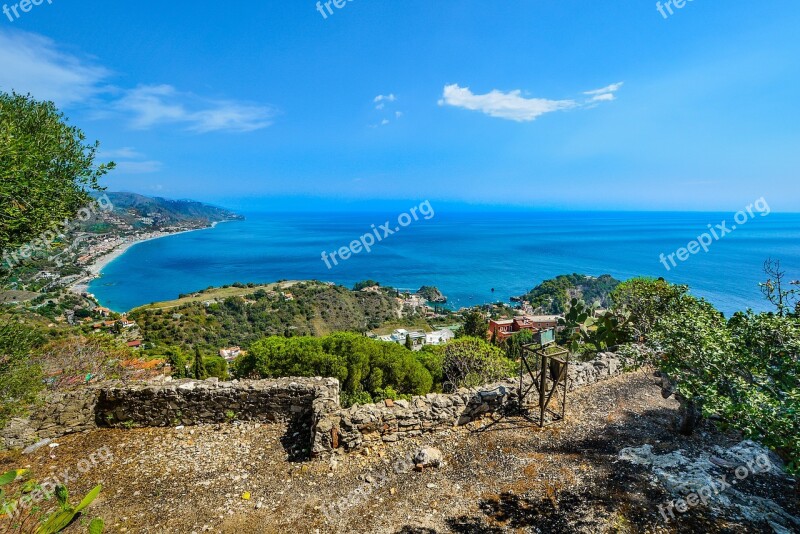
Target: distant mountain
(166, 212)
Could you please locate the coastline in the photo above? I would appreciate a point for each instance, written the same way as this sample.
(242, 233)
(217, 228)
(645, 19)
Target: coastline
(95, 269)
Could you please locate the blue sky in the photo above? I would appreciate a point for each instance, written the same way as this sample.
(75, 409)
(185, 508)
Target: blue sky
(543, 104)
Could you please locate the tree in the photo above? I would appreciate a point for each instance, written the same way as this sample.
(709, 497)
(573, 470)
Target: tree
(774, 289)
(365, 284)
(177, 361)
(199, 367)
(694, 353)
(46, 169)
(645, 301)
(409, 343)
(475, 325)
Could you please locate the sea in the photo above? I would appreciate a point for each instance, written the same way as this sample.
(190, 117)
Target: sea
(472, 257)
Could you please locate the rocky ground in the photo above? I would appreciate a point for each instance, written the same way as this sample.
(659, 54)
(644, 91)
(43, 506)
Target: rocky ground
(592, 473)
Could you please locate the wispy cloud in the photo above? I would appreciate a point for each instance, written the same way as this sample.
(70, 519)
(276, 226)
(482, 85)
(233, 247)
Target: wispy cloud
(606, 94)
(31, 63)
(512, 105)
(381, 102)
(153, 105)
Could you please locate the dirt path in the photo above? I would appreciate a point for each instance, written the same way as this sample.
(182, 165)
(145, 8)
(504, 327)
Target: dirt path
(502, 475)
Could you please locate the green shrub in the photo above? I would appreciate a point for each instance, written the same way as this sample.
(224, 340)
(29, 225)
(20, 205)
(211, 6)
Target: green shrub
(471, 362)
(365, 367)
(20, 378)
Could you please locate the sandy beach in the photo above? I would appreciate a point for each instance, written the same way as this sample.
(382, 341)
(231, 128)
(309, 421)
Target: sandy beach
(96, 267)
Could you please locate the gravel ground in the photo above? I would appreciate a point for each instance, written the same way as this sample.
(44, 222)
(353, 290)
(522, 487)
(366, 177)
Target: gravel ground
(503, 474)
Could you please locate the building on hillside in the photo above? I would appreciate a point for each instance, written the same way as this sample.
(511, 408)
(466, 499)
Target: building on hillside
(104, 312)
(439, 337)
(543, 322)
(505, 328)
(230, 353)
(136, 345)
(399, 336)
(501, 329)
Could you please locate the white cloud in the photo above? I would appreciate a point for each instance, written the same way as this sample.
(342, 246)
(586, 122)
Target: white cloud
(513, 106)
(613, 88)
(398, 114)
(31, 63)
(606, 94)
(384, 122)
(380, 100)
(152, 105)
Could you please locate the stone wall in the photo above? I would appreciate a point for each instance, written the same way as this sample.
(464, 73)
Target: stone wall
(312, 401)
(358, 426)
(172, 403)
(189, 402)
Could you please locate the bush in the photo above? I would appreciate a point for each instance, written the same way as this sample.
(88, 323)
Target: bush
(744, 371)
(365, 367)
(20, 379)
(471, 362)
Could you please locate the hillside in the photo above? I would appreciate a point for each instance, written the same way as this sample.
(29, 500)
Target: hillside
(132, 208)
(551, 296)
(244, 314)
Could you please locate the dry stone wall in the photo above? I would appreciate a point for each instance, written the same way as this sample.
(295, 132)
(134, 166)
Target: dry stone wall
(312, 401)
(358, 426)
(172, 403)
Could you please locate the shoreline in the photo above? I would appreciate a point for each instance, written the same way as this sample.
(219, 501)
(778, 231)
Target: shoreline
(95, 269)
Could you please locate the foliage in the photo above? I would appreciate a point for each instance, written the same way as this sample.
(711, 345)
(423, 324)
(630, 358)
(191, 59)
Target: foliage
(744, 371)
(765, 402)
(646, 301)
(471, 362)
(20, 379)
(513, 345)
(95, 357)
(431, 294)
(576, 323)
(26, 506)
(199, 371)
(365, 284)
(46, 169)
(365, 367)
(775, 291)
(317, 309)
(178, 362)
(553, 296)
(216, 366)
(475, 325)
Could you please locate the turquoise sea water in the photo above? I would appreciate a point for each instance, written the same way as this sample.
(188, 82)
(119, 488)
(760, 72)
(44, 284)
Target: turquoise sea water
(464, 254)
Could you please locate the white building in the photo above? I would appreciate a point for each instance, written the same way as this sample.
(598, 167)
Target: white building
(440, 337)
